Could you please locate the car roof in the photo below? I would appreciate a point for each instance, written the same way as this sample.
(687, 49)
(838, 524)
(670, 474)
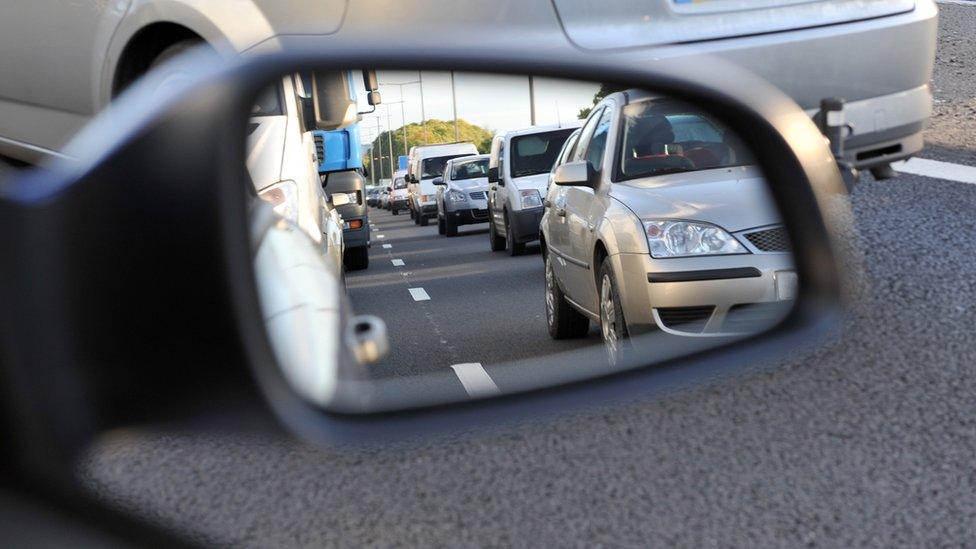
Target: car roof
(542, 129)
(469, 158)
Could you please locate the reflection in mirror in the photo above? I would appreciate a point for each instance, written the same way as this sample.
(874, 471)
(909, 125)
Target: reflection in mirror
(513, 233)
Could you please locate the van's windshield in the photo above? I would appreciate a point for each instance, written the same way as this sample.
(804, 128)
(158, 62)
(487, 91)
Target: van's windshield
(536, 153)
(269, 102)
(434, 167)
(399, 183)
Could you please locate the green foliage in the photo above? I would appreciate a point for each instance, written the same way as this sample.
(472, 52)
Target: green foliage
(438, 131)
(605, 90)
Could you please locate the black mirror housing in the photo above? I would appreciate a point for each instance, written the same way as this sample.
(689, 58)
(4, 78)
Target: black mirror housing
(438, 181)
(493, 174)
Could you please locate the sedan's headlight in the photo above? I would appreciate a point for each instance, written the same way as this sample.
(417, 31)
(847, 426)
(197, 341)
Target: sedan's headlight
(689, 238)
(456, 196)
(530, 198)
(283, 196)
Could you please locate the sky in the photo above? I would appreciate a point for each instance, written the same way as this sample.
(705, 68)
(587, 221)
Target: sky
(497, 102)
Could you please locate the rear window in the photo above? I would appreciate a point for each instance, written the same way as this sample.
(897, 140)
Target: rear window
(536, 153)
(470, 170)
(666, 136)
(434, 167)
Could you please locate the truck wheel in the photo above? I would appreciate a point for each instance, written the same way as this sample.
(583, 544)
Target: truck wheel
(450, 227)
(563, 321)
(513, 247)
(496, 242)
(356, 259)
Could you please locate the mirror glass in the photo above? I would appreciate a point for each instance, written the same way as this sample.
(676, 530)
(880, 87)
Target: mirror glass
(658, 239)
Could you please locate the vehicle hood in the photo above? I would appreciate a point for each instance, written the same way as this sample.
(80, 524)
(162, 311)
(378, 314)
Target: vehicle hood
(476, 184)
(732, 198)
(538, 181)
(265, 149)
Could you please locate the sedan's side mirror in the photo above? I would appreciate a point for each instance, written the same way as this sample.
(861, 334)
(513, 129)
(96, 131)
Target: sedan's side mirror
(576, 174)
(438, 181)
(493, 175)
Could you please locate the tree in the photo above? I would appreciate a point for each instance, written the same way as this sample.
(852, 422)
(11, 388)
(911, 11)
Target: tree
(605, 90)
(438, 131)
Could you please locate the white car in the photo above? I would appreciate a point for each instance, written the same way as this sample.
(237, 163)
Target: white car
(518, 172)
(427, 163)
(397, 199)
(280, 159)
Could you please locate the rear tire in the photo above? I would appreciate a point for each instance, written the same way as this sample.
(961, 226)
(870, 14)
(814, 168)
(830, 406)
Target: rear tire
(511, 246)
(563, 321)
(496, 242)
(356, 259)
(613, 328)
(440, 225)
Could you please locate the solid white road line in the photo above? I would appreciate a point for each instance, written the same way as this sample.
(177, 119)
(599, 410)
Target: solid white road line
(397, 262)
(937, 169)
(419, 294)
(387, 246)
(475, 380)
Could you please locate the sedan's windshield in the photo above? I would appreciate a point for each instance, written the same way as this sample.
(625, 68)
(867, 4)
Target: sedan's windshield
(470, 170)
(661, 137)
(536, 153)
(434, 167)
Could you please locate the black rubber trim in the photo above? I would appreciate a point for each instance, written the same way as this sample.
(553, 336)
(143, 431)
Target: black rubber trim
(711, 274)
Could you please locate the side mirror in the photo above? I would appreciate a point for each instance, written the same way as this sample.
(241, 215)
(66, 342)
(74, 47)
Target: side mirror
(438, 181)
(493, 175)
(339, 199)
(389, 189)
(576, 174)
(334, 105)
(372, 87)
(413, 178)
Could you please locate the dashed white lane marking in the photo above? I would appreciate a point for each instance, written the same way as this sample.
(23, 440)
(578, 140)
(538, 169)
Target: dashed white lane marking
(381, 236)
(475, 379)
(387, 246)
(419, 294)
(397, 262)
(937, 169)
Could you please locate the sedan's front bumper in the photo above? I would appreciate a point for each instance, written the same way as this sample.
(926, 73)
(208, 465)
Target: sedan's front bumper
(705, 296)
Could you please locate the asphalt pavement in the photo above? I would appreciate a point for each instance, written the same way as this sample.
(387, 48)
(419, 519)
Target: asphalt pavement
(868, 440)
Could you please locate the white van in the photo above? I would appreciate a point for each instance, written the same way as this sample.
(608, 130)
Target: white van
(518, 173)
(281, 162)
(398, 192)
(426, 164)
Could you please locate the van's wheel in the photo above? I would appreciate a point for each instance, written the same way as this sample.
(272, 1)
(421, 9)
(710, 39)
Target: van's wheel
(563, 320)
(424, 220)
(395, 211)
(356, 259)
(440, 225)
(450, 227)
(511, 246)
(496, 242)
(612, 325)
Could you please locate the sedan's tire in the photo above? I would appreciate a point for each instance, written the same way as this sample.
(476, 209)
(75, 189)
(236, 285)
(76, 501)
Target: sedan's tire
(424, 220)
(613, 328)
(450, 227)
(440, 225)
(512, 246)
(496, 242)
(563, 320)
(356, 259)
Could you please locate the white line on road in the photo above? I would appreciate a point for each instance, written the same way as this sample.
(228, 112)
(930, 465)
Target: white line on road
(475, 379)
(937, 169)
(397, 262)
(419, 294)
(381, 236)
(387, 246)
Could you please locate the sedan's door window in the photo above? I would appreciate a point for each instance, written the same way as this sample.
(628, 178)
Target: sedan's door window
(598, 142)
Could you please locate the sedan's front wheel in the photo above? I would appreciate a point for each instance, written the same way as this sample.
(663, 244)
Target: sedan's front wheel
(612, 326)
(563, 320)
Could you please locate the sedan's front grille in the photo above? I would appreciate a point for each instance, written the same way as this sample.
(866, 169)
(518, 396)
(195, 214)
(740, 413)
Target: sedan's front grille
(770, 240)
(686, 319)
(478, 195)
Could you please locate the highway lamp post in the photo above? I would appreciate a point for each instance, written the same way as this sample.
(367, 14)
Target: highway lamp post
(457, 134)
(423, 113)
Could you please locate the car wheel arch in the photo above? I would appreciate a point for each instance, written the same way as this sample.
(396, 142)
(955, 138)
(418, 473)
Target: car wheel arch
(143, 47)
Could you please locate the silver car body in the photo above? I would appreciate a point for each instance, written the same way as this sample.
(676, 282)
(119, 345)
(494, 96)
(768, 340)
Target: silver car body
(582, 226)
(64, 61)
(472, 207)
